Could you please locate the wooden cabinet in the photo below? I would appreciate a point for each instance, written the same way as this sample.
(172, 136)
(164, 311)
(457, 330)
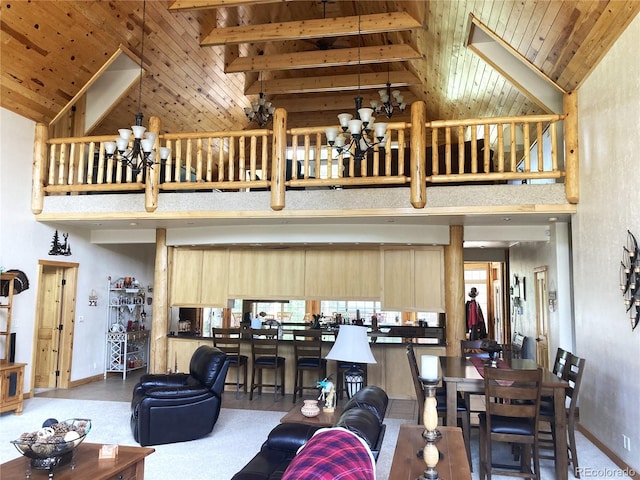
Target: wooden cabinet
(342, 274)
(5, 315)
(199, 277)
(11, 381)
(413, 279)
(267, 274)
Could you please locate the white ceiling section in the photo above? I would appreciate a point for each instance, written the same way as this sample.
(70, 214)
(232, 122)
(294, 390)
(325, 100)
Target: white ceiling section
(515, 68)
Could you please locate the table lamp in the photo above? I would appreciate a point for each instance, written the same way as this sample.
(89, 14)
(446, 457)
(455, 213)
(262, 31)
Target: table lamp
(352, 345)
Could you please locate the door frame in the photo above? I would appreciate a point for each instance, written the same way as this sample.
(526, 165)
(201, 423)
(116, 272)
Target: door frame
(541, 288)
(67, 317)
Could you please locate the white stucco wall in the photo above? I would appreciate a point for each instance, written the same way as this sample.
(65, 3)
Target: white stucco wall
(609, 122)
(23, 242)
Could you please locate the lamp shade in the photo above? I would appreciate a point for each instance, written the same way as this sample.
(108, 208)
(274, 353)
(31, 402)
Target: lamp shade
(352, 345)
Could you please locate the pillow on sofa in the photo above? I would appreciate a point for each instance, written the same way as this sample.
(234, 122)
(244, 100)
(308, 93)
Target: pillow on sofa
(332, 453)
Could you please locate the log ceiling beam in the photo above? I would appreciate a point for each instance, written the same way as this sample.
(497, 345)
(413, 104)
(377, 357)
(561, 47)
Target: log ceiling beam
(333, 83)
(324, 58)
(331, 103)
(179, 5)
(318, 28)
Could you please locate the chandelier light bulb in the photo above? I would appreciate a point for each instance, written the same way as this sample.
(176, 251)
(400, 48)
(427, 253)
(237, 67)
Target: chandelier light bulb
(110, 148)
(344, 119)
(147, 145)
(340, 141)
(365, 114)
(122, 144)
(355, 126)
(164, 153)
(381, 130)
(138, 131)
(125, 133)
(331, 134)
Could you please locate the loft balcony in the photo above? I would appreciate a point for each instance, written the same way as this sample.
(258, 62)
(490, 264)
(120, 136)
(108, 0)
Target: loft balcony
(424, 169)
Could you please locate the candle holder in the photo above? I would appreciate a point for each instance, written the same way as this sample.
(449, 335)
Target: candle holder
(430, 453)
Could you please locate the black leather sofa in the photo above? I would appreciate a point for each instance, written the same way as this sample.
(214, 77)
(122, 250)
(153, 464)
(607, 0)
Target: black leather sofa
(179, 407)
(363, 414)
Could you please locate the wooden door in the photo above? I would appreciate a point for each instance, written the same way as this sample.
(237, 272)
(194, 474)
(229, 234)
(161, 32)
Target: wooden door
(542, 317)
(55, 311)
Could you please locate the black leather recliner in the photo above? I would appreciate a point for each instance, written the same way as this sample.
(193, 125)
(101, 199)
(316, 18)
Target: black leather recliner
(180, 407)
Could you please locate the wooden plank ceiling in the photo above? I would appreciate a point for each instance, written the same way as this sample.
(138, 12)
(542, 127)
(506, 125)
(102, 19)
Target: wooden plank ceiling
(207, 60)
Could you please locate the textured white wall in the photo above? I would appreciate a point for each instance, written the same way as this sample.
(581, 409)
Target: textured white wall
(609, 123)
(23, 242)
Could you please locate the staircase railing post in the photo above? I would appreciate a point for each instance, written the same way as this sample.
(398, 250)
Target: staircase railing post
(418, 154)
(278, 159)
(38, 168)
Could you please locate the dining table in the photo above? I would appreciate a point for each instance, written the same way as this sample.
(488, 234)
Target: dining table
(460, 374)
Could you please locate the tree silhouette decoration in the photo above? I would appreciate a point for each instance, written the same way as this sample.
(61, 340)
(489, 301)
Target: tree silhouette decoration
(58, 248)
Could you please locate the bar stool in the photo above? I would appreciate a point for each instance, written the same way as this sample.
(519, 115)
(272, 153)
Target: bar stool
(228, 340)
(264, 355)
(307, 346)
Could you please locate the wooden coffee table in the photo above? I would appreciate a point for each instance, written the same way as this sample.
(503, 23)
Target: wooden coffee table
(128, 464)
(324, 419)
(453, 464)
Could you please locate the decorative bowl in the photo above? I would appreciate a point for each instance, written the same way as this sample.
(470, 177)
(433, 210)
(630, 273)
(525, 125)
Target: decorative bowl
(53, 444)
(310, 408)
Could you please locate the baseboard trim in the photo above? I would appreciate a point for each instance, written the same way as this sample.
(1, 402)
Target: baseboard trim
(86, 380)
(606, 450)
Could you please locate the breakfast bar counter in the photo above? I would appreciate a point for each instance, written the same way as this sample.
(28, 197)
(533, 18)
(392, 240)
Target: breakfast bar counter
(391, 372)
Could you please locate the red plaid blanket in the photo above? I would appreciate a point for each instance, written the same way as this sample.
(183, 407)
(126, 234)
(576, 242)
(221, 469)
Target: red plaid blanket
(332, 454)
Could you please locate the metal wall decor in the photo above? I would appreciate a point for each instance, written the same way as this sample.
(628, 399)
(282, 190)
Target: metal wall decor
(60, 248)
(630, 278)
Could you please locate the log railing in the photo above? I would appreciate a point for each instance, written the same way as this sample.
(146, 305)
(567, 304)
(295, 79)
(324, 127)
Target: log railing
(416, 154)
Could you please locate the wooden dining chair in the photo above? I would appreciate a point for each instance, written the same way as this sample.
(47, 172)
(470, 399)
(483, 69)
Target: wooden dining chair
(562, 356)
(265, 356)
(228, 340)
(462, 412)
(572, 373)
(512, 413)
(307, 349)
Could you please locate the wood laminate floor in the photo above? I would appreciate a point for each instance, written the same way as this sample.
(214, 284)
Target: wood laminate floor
(114, 388)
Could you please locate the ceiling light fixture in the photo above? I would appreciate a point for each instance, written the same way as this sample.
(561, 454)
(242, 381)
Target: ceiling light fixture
(356, 137)
(260, 111)
(387, 98)
(142, 153)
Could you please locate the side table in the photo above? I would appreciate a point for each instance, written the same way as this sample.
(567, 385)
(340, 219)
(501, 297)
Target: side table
(129, 464)
(324, 419)
(453, 464)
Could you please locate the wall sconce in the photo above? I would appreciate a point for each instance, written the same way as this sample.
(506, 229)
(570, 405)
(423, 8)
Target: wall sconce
(93, 298)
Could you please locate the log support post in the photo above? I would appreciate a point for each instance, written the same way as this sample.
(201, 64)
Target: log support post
(151, 187)
(279, 159)
(571, 184)
(454, 293)
(38, 167)
(418, 154)
(160, 321)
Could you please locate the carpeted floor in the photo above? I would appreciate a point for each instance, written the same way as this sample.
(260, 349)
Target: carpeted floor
(235, 439)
